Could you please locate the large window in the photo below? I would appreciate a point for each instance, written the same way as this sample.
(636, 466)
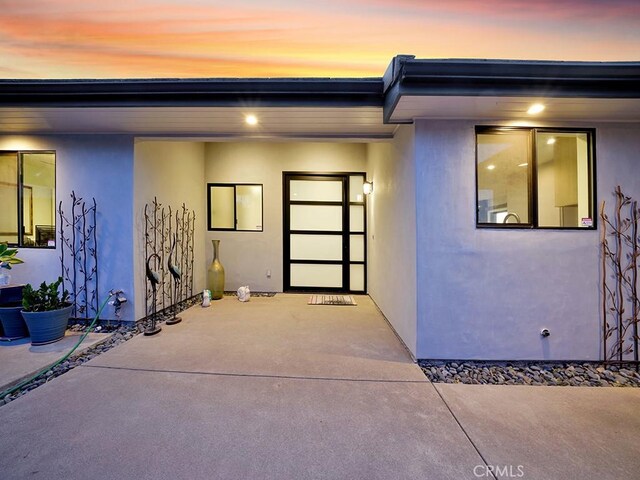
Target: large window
(534, 177)
(234, 207)
(28, 198)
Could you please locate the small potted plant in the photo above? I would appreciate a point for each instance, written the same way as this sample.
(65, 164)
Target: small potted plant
(46, 312)
(13, 326)
(7, 258)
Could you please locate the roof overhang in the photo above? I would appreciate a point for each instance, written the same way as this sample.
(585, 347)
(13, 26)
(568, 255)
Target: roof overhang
(503, 89)
(207, 108)
(481, 90)
(208, 92)
(206, 122)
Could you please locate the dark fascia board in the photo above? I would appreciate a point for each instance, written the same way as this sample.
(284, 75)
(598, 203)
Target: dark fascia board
(225, 92)
(415, 77)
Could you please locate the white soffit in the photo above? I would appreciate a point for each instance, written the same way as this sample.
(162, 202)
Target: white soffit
(222, 122)
(515, 108)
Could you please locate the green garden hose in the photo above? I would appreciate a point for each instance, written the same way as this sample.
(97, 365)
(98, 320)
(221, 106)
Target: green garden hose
(17, 387)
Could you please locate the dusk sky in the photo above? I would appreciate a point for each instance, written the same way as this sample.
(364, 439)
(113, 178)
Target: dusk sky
(338, 38)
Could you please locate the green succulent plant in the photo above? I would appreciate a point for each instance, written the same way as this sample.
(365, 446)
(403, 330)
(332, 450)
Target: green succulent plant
(8, 256)
(46, 298)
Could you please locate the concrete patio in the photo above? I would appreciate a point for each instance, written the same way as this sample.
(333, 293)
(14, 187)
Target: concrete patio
(277, 389)
(20, 359)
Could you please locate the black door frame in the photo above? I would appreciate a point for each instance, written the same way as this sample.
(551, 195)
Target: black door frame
(345, 233)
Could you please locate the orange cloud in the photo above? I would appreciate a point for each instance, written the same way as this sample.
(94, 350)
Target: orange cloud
(192, 38)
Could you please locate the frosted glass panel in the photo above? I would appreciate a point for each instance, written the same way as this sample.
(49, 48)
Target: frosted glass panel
(355, 188)
(221, 208)
(357, 278)
(316, 217)
(357, 248)
(249, 206)
(357, 218)
(316, 247)
(315, 191)
(304, 275)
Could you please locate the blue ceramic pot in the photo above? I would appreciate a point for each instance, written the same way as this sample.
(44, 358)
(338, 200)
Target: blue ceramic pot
(12, 322)
(47, 327)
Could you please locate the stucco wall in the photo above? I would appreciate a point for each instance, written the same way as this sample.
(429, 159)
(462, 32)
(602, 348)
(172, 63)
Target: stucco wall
(392, 232)
(99, 166)
(247, 256)
(485, 294)
(173, 172)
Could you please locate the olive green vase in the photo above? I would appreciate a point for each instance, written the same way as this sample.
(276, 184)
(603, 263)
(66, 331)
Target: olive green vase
(216, 273)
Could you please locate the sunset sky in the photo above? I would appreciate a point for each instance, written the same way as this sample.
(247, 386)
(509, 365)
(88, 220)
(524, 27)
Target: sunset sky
(289, 38)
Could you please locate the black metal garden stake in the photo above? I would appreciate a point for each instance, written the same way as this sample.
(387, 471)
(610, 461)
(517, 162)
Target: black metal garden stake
(79, 256)
(154, 279)
(176, 274)
(620, 303)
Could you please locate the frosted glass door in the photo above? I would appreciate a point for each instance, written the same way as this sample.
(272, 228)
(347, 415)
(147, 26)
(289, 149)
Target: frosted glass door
(324, 232)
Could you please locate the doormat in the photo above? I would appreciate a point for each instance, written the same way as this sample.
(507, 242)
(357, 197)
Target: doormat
(331, 300)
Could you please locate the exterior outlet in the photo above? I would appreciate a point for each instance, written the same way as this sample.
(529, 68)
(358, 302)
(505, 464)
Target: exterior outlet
(269, 273)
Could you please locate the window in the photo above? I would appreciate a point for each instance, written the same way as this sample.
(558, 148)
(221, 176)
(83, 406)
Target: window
(234, 207)
(534, 178)
(28, 198)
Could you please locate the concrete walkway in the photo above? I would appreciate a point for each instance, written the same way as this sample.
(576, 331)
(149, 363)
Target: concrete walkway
(19, 359)
(276, 389)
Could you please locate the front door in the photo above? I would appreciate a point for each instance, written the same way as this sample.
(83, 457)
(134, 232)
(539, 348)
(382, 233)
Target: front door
(324, 232)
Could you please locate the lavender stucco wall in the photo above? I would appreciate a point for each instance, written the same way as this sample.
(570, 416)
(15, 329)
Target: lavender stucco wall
(485, 294)
(391, 246)
(99, 166)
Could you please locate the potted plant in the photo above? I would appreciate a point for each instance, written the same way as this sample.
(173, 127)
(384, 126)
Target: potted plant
(13, 326)
(46, 312)
(7, 258)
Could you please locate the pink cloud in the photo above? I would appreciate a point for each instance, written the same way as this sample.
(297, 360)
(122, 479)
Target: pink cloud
(330, 38)
(596, 10)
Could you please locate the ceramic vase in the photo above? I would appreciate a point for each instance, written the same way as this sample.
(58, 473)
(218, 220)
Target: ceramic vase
(216, 273)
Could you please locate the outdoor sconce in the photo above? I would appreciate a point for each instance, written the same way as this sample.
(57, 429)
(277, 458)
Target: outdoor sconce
(367, 188)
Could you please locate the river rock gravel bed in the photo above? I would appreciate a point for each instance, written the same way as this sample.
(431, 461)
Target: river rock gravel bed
(586, 374)
(120, 333)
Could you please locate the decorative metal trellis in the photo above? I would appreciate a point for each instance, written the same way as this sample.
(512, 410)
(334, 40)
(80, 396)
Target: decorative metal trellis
(620, 245)
(162, 228)
(79, 256)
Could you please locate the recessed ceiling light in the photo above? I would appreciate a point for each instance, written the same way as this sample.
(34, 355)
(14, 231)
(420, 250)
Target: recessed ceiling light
(551, 141)
(523, 164)
(490, 167)
(251, 120)
(535, 109)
